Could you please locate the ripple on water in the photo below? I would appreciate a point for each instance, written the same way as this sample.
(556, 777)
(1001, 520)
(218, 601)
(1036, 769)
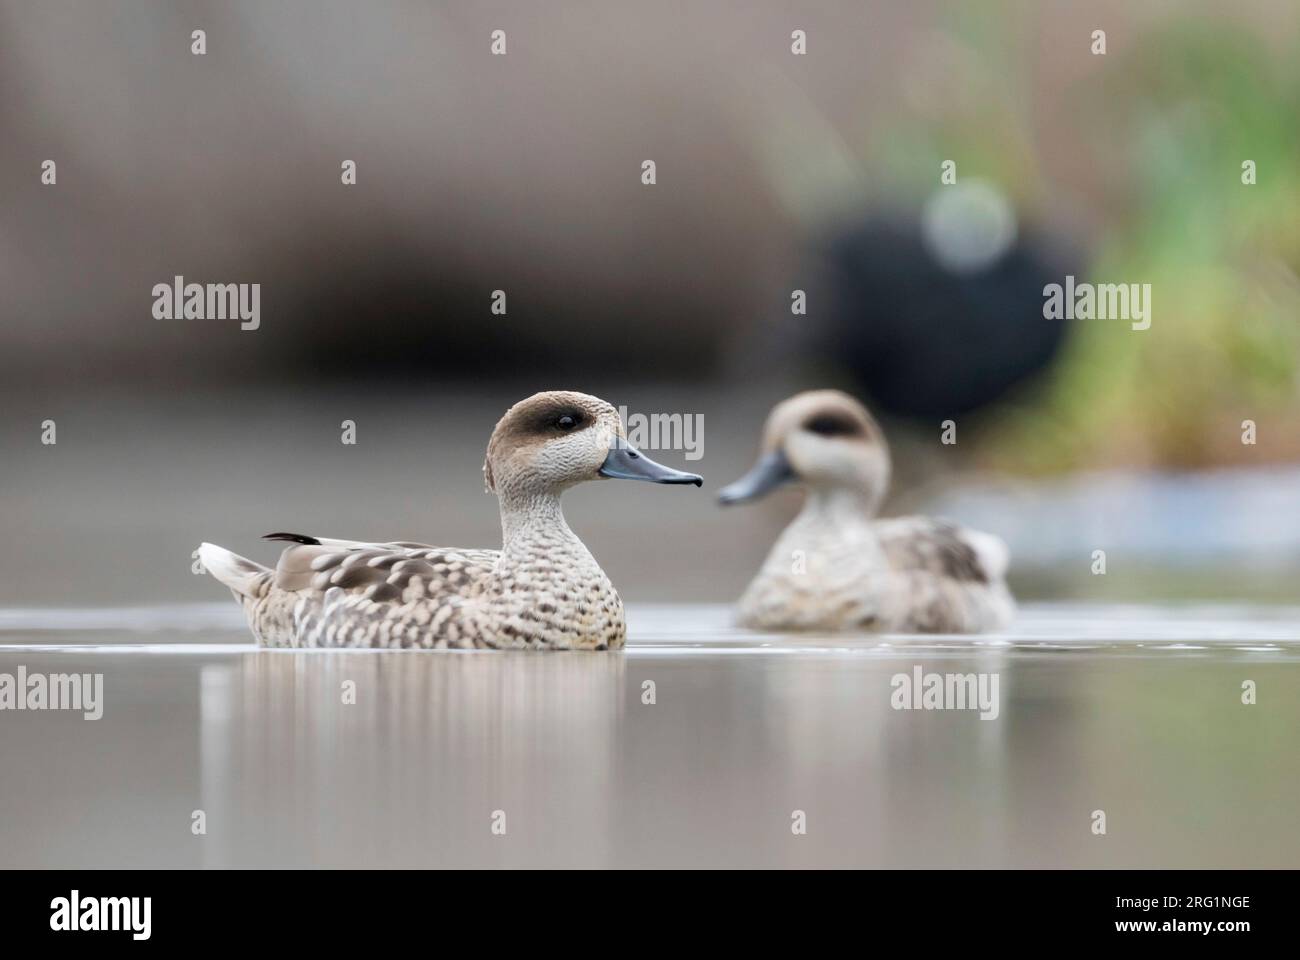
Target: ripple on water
(657, 630)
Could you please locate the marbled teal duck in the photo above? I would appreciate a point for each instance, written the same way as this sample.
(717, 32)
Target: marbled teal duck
(542, 589)
(838, 567)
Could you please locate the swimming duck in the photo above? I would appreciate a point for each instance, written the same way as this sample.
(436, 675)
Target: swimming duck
(542, 589)
(837, 567)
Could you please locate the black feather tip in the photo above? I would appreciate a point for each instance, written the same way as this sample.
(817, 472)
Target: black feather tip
(294, 537)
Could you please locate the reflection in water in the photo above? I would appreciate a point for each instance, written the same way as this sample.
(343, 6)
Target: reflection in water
(412, 771)
(1134, 712)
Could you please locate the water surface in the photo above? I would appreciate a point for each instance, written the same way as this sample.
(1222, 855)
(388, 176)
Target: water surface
(1132, 710)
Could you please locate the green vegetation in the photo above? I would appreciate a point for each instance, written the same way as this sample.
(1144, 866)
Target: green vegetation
(1143, 155)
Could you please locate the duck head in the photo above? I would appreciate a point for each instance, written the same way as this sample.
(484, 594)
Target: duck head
(554, 440)
(823, 439)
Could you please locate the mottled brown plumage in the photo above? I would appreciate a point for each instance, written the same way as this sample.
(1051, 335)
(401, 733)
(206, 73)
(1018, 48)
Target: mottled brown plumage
(836, 567)
(542, 589)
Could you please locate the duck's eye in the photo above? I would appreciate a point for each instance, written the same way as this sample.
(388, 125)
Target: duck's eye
(832, 426)
(566, 422)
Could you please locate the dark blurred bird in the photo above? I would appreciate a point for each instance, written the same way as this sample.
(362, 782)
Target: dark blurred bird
(941, 315)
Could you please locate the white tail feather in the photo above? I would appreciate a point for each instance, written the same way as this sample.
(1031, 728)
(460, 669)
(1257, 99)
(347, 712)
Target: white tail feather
(234, 571)
(992, 552)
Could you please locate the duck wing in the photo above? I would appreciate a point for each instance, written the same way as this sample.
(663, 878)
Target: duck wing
(378, 571)
(942, 548)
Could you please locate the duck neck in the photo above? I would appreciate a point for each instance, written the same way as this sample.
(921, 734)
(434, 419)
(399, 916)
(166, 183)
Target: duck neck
(534, 532)
(546, 587)
(839, 506)
(832, 531)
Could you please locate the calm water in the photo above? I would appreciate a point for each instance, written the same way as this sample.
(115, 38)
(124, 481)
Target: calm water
(1132, 710)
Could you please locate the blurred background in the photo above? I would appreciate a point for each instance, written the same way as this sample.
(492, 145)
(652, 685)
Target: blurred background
(775, 173)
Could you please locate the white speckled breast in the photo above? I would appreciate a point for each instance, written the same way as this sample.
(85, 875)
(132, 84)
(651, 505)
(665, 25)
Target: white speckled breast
(834, 568)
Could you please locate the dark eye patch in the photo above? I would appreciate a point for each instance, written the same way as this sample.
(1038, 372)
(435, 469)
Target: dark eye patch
(561, 420)
(833, 425)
